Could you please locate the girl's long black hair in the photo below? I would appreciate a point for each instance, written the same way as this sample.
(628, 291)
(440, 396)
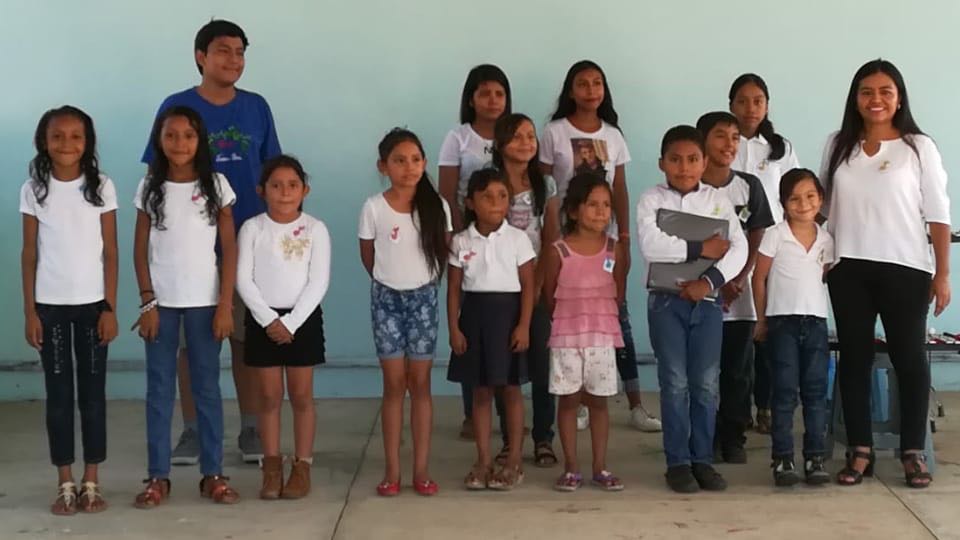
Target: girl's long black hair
(578, 190)
(481, 74)
(427, 206)
(566, 106)
(851, 130)
(778, 145)
(503, 132)
(158, 173)
(41, 166)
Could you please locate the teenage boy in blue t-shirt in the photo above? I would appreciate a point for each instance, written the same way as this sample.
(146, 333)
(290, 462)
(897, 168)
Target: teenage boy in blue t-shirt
(242, 136)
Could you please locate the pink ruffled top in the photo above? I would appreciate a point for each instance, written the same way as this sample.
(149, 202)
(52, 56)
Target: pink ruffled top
(586, 313)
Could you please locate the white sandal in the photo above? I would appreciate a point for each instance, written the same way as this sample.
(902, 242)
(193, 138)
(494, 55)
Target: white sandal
(67, 492)
(89, 496)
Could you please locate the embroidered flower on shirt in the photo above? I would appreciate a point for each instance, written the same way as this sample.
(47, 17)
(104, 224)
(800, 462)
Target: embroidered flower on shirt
(885, 165)
(762, 166)
(298, 230)
(294, 247)
(395, 233)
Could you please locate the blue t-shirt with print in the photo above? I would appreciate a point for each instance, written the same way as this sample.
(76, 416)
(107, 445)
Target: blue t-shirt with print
(241, 136)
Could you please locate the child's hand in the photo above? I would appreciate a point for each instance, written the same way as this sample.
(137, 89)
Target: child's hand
(222, 322)
(730, 292)
(714, 247)
(278, 333)
(107, 327)
(458, 341)
(940, 291)
(34, 331)
(520, 340)
(149, 324)
(695, 290)
(760, 331)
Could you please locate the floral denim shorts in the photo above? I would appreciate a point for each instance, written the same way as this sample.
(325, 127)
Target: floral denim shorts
(404, 322)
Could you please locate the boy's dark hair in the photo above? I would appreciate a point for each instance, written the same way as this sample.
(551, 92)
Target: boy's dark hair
(793, 177)
(778, 145)
(711, 120)
(678, 134)
(578, 190)
(41, 166)
(478, 75)
(479, 181)
(214, 29)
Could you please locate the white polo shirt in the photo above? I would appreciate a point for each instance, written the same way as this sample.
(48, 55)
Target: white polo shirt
(465, 148)
(399, 261)
(795, 282)
(880, 205)
(708, 201)
(753, 157)
(490, 262)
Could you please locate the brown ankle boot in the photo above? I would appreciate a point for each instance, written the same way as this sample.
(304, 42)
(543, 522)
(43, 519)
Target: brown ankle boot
(272, 468)
(298, 484)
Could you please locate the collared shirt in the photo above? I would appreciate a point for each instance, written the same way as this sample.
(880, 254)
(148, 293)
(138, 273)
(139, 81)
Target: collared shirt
(753, 158)
(795, 282)
(490, 262)
(707, 201)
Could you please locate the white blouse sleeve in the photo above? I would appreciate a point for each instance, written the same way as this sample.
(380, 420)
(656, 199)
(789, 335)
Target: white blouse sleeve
(318, 280)
(248, 290)
(656, 245)
(933, 183)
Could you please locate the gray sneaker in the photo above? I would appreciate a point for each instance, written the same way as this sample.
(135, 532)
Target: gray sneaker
(249, 443)
(187, 451)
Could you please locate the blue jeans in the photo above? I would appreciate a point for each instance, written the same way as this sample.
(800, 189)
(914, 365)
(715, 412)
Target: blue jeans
(798, 361)
(627, 355)
(686, 340)
(203, 353)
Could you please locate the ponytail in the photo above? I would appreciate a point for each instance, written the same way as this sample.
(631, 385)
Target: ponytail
(778, 145)
(428, 207)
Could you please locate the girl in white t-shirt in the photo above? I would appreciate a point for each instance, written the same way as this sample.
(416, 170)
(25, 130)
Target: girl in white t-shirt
(404, 243)
(70, 292)
(183, 212)
(283, 271)
(791, 302)
(584, 136)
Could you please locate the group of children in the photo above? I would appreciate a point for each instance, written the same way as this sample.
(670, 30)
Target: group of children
(533, 234)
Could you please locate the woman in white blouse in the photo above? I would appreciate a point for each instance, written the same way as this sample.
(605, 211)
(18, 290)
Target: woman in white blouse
(886, 189)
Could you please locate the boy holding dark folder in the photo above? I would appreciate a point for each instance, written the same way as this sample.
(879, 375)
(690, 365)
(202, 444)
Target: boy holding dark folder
(685, 325)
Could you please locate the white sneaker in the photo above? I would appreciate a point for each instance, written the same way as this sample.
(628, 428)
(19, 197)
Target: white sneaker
(641, 419)
(583, 418)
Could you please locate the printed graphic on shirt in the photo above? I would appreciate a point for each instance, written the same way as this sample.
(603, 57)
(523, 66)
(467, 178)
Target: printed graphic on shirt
(293, 245)
(589, 155)
(230, 144)
(520, 214)
(465, 256)
(395, 234)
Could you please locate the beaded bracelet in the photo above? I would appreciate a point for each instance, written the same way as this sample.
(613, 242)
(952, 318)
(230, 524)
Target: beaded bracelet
(152, 304)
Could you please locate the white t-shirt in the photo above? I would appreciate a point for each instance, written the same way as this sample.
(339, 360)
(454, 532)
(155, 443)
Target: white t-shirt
(752, 158)
(490, 262)
(69, 241)
(465, 148)
(182, 256)
(570, 150)
(284, 266)
(795, 282)
(522, 214)
(880, 205)
(399, 261)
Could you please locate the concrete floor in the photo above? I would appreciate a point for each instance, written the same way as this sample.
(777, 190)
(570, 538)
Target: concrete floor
(348, 464)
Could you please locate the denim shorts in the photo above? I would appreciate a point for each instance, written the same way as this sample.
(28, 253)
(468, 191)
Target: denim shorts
(404, 322)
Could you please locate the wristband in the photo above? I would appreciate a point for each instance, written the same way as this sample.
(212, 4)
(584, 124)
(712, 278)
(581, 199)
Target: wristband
(152, 304)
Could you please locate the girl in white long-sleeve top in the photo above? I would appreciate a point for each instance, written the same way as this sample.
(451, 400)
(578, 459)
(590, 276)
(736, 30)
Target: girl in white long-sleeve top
(283, 273)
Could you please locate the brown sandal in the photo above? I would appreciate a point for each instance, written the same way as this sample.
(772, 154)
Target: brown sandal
(157, 491)
(91, 500)
(506, 479)
(66, 502)
(478, 477)
(215, 487)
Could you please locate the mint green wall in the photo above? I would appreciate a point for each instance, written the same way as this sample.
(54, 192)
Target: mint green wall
(338, 74)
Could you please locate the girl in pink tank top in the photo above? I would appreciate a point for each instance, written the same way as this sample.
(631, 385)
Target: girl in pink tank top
(583, 284)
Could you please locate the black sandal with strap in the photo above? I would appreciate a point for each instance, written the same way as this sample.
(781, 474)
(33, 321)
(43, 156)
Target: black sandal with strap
(501, 458)
(543, 455)
(854, 476)
(916, 478)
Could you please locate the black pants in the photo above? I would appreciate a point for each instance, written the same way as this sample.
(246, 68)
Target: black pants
(76, 326)
(860, 290)
(762, 389)
(736, 372)
(538, 364)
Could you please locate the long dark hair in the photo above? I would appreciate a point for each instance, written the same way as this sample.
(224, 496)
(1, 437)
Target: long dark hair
(479, 180)
(851, 130)
(478, 75)
(778, 145)
(427, 205)
(153, 192)
(578, 190)
(566, 106)
(503, 132)
(277, 162)
(41, 166)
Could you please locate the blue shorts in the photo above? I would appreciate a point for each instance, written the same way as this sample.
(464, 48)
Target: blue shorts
(404, 322)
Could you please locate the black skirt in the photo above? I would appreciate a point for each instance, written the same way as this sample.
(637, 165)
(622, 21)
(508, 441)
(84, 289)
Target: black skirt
(307, 348)
(488, 321)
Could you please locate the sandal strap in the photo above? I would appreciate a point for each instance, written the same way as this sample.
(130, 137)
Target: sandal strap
(67, 491)
(89, 489)
(570, 479)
